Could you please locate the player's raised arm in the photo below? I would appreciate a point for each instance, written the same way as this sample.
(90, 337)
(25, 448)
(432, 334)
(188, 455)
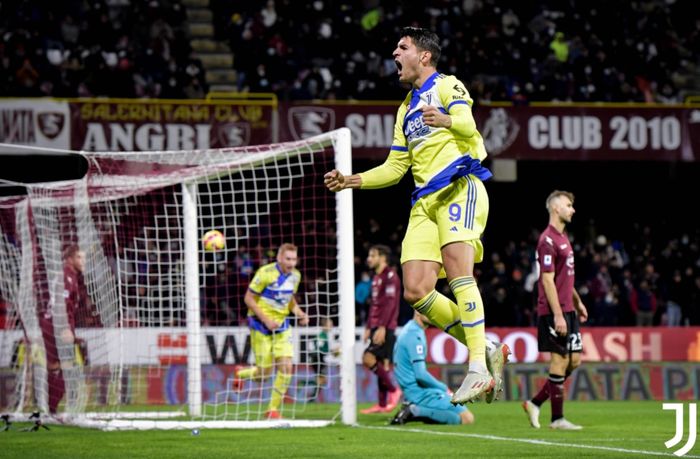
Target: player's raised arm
(435, 118)
(456, 98)
(335, 181)
(387, 174)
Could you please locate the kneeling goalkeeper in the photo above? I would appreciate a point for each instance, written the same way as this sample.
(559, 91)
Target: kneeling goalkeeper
(425, 398)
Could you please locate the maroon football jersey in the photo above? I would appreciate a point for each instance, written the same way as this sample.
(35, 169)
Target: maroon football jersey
(384, 302)
(74, 293)
(47, 321)
(555, 254)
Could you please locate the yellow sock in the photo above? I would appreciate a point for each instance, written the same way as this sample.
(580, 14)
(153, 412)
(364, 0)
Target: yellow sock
(282, 381)
(248, 373)
(442, 313)
(471, 310)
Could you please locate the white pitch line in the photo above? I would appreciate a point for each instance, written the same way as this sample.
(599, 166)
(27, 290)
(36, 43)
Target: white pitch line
(525, 440)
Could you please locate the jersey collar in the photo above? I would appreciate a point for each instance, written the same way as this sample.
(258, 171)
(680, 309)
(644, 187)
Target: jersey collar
(282, 277)
(416, 93)
(561, 233)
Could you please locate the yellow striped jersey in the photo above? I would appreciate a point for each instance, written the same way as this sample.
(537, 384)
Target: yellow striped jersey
(429, 150)
(274, 290)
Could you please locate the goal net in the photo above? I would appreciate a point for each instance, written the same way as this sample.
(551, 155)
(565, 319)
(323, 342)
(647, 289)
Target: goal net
(118, 317)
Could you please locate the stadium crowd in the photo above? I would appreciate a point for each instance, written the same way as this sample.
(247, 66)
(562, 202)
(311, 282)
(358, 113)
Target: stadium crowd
(645, 279)
(502, 50)
(110, 48)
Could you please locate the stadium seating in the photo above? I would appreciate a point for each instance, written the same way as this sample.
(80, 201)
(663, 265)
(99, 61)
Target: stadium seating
(646, 51)
(114, 48)
(504, 51)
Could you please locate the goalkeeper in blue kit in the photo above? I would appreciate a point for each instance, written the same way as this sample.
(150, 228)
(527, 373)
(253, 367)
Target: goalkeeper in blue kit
(425, 398)
(435, 135)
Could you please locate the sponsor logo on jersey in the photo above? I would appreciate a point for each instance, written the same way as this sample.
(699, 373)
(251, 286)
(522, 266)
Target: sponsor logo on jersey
(414, 127)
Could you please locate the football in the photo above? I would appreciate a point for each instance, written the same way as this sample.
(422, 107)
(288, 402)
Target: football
(213, 240)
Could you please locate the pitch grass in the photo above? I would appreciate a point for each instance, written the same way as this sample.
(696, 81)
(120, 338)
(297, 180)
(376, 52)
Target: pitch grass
(612, 429)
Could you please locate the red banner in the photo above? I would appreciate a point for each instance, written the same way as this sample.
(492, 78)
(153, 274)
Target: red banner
(139, 125)
(547, 131)
(569, 132)
(371, 125)
(595, 133)
(601, 344)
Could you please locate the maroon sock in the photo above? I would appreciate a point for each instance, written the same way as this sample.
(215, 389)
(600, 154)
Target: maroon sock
(556, 392)
(383, 392)
(384, 377)
(542, 395)
(57, 388)
(546, 391)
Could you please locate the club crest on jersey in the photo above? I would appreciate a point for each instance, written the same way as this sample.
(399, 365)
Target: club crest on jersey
(570, 260)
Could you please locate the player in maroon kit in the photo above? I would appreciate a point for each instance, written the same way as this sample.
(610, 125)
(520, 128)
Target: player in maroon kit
(58, 327)
(381, 323)
(557, 306)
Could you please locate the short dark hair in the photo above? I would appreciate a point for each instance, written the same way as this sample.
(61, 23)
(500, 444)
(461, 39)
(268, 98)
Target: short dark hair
(424, 40)
(382, 250)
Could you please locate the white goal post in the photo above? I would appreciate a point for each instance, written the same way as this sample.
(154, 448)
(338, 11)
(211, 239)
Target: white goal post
(157, 321)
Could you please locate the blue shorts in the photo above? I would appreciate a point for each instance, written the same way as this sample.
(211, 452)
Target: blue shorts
(436, 399)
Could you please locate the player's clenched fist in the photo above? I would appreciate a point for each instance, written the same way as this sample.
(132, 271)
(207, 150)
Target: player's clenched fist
(334, 180)
(433, 117)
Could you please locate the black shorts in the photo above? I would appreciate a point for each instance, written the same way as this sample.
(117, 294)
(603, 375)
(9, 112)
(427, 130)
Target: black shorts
(384, 351)
(549, 341)
(317, 360)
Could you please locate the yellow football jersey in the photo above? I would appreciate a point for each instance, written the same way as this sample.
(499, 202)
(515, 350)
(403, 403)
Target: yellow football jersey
(429, 150)
(274, 290)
